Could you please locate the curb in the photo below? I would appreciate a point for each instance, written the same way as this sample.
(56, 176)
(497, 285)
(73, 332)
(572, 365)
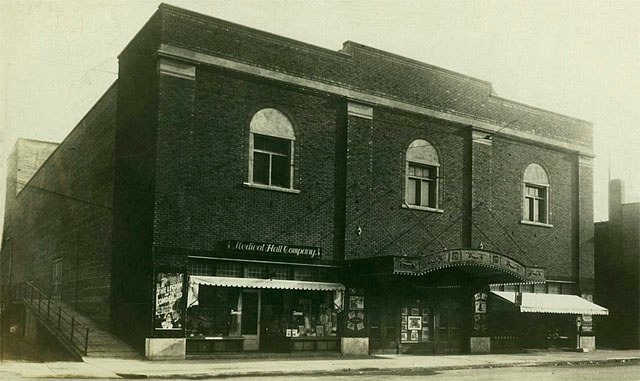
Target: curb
(382, 371)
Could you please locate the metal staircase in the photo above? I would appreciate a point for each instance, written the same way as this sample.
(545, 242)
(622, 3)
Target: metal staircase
(77, 333)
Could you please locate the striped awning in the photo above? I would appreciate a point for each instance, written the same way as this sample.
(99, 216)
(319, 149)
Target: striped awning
(552, 303)
(265, 283)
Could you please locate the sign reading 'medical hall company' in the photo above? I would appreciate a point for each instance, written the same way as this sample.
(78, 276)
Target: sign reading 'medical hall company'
(273, 248)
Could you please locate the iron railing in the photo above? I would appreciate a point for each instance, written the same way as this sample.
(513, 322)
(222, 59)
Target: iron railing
(63, 324)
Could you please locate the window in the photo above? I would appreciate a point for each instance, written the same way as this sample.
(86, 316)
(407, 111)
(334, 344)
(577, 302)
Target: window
(421, 185)
(56, 279)
(535, 195)
(422, 175)
(271, 150)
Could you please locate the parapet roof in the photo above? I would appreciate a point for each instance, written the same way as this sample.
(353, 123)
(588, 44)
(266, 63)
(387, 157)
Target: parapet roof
(368, 70)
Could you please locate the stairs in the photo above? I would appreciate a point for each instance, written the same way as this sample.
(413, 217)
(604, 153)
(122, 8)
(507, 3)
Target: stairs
(101, 343)
(78, 333)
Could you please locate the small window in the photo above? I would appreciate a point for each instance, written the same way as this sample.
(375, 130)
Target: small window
(422, 175)
(228, 269)
(254, 271)
(271, 149)
(56, 279)
(535, 195)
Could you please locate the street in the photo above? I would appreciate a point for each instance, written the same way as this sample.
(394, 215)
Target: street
(565, 373)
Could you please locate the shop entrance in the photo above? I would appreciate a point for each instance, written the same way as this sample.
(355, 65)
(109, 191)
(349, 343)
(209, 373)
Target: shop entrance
(273, 322)
(250, 319)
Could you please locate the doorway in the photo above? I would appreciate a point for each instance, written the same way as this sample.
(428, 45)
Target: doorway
(384, 331)
(250, 320)
(447, 330)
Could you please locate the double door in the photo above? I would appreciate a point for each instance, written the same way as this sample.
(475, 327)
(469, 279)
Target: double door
(447, 328)
(440, 327)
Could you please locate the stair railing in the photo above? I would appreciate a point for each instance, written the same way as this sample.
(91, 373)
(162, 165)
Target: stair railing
(51, 313)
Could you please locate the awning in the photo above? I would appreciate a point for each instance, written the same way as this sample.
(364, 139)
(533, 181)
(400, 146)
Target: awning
(552, 303)
(196, 280)
(265, 283)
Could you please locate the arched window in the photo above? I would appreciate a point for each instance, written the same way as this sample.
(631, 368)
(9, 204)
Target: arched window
(423, 166)
(535, 195)
(271, 149)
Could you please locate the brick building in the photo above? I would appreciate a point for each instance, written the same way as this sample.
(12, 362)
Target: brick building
(236, 190)
(617, 252)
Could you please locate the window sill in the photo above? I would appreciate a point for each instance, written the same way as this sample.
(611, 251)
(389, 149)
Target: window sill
(532, 223)
(271, 187)
(423, 208)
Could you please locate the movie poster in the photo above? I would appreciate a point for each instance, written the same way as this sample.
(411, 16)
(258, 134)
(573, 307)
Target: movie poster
(168, 301)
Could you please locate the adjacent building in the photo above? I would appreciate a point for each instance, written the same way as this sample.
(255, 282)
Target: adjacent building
(240, 191)
(617, 270)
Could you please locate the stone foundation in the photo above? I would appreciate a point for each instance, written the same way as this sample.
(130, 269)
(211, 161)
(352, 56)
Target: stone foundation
(355, 346)
(479, 345)
(165, 349)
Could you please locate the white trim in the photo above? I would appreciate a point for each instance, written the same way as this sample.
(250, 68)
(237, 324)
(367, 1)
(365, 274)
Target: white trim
(481, 137)
(585, 161)
(166, 50)
(271, 187)
(533, 223)
(359, 110)
(423, 208)
(176, 68)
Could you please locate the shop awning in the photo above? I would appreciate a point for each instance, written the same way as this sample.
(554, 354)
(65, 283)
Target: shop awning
(552, 303)
(265, 283)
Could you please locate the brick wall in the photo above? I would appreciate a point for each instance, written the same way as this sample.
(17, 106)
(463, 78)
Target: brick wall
(376, 186)
(366, 69)
(65, 212)
(497, 186)
(203, 162)
(135, 157)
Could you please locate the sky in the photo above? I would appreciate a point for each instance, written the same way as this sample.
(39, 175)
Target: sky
(579, 58)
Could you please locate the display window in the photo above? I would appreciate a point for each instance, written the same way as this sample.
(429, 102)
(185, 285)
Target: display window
(227, 311)
(217, 313)
(298, 314)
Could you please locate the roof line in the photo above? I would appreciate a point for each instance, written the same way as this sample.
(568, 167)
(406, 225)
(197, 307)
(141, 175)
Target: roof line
(538, 109)
(294, 42)
(354, 44)
(66, 137)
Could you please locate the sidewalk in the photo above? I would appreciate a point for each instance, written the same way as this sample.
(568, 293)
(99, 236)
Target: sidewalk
(267, 366)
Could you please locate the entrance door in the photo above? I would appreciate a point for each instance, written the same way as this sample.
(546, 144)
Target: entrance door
(272, 315)
(447, 328)
(250, 322)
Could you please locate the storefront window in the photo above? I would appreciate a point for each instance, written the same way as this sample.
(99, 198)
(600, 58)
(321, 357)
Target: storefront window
(231, 311)
(299, 314)
(216, 314)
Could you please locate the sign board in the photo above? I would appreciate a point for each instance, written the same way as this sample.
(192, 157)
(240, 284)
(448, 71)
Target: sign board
(281, 249)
